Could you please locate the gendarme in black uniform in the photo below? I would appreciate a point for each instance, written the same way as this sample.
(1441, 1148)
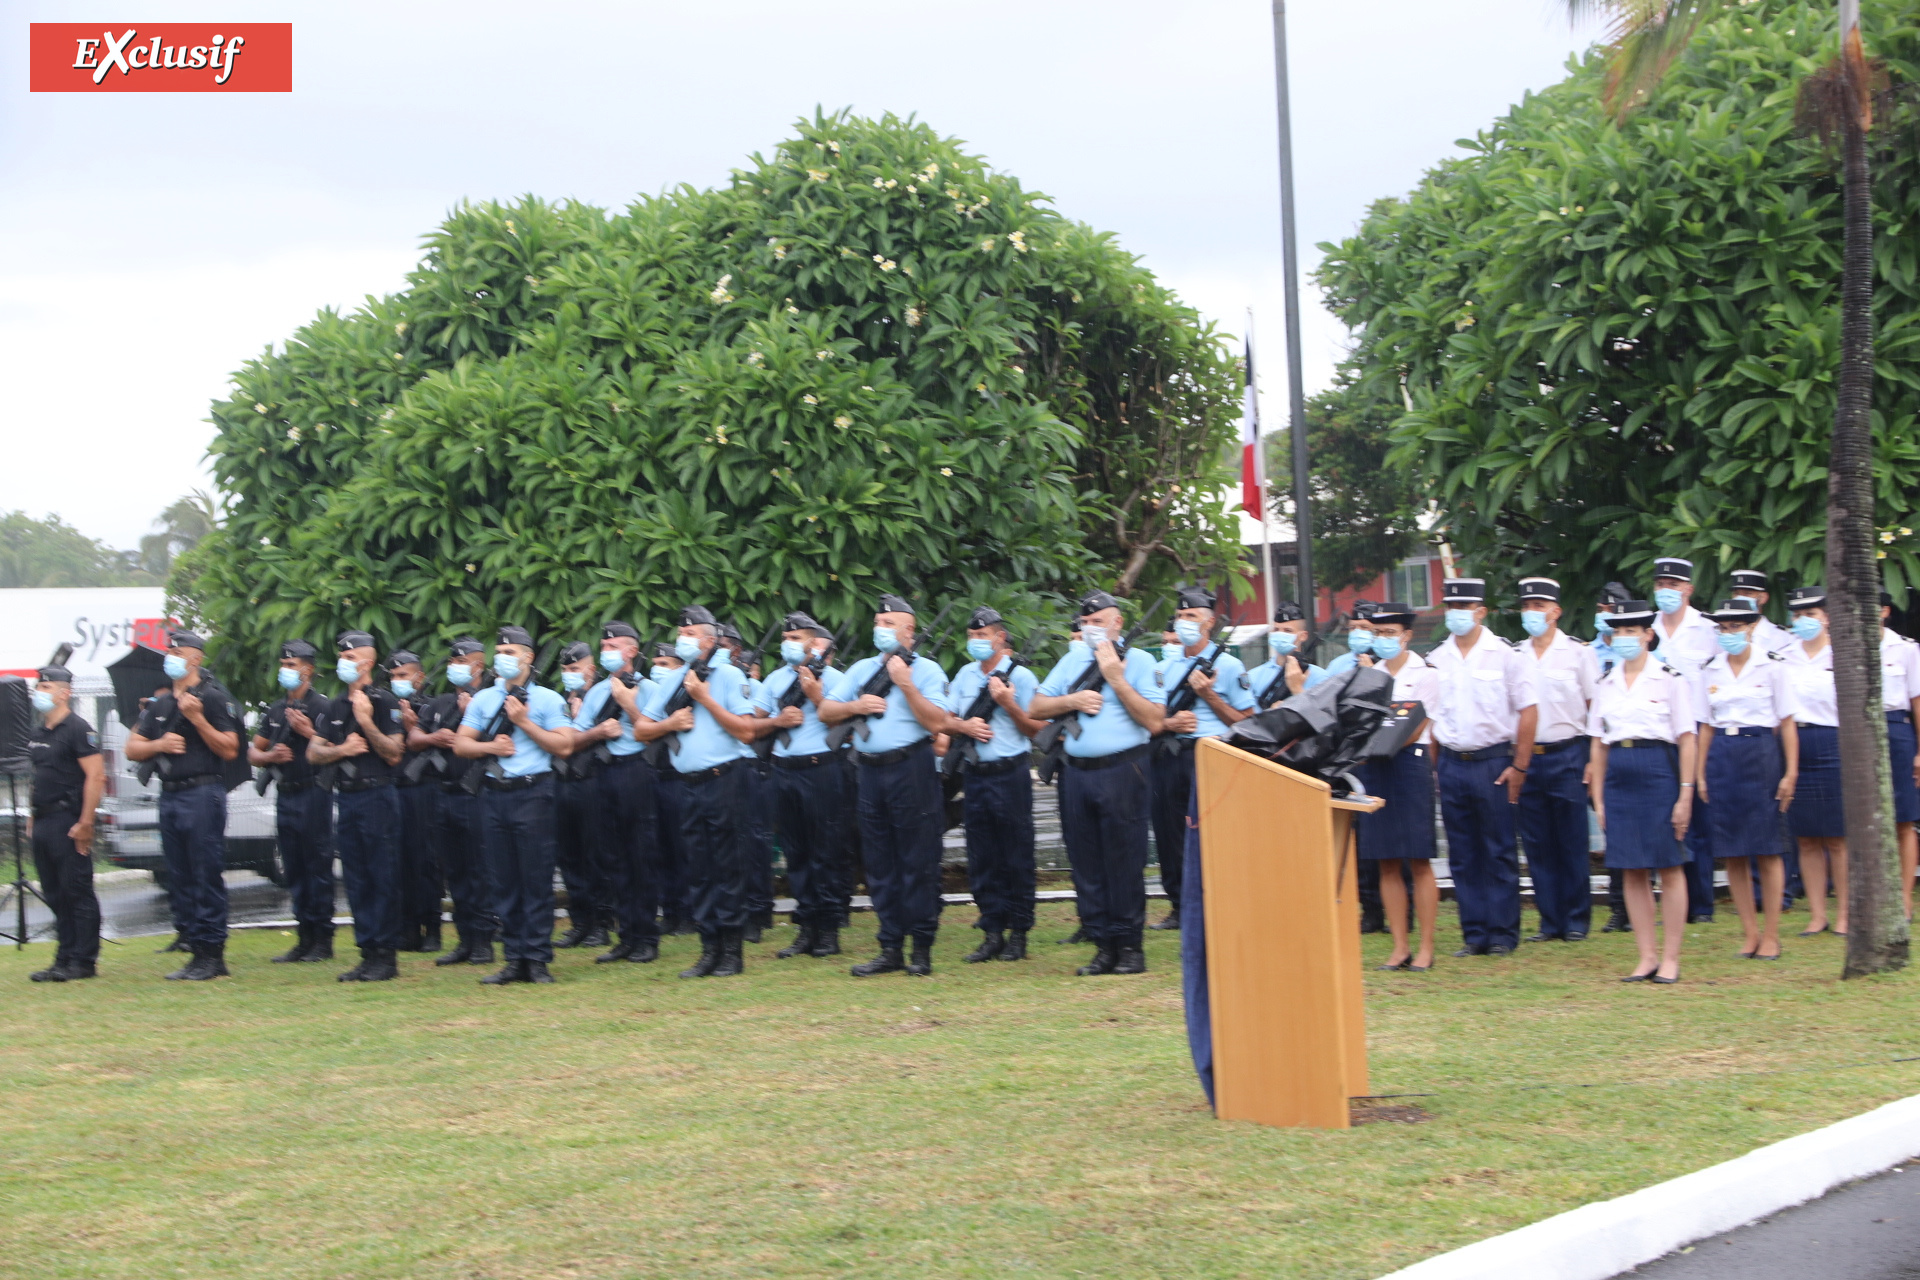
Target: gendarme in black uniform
(66, 874)
(367, 827)
(457, 819)
(303, 817)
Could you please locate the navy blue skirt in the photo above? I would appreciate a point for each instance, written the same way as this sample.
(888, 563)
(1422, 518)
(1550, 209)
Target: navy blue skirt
(1642, 786)
(1404, 829)
(1743, 818)
(1816, 812)
(1900, 750)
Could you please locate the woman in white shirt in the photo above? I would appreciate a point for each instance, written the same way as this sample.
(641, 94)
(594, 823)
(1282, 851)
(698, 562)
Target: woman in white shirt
(1749, 764)
(1401, 835)
(1819, 823)
(1641, 779)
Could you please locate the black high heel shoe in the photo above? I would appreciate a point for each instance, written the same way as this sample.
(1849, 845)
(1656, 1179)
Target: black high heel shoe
(1665, 982)
(1403, 965)
(1639, 977)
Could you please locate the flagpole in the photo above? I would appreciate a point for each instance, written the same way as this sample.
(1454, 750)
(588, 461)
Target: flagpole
(1260, 475)
(1296, 393)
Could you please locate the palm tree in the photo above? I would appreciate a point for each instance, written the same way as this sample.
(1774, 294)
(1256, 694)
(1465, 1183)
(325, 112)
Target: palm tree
(178, 529)
(1836, 103)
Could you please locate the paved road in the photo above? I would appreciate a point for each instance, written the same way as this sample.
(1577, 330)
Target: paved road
(1867, 1230)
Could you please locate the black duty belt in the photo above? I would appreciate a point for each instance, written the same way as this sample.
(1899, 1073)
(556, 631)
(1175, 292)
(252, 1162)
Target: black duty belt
(1108, 762)
(1548, 748)
(797, 763)
(1493, 752)
(355, 785)
(65, 804)
(1745, 731)
(890, 757)
(188, 784)
(512, 784)
(632, 757)
(292, 788)
(1007, 764)
(708, 775)
(1899, 717)
(1635, 744)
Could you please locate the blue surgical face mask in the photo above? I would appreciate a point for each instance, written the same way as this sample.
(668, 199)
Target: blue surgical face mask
(347, 670)
(42, 701)
(1093, 635)
(1600, 624)
(403, 688)
(1282, 642)
(979, 650)
(886, 639)
(1626, 648)
(1460, 621)
(1667, 600)
(1534, 621)
(571, 681)
(289, 678)
(175, 666)
(1359, 642)
(459, 674)
(1188, 631)
(1386, 648)
(1806, 627)
(722, 656)
(1734, 642)
(793, 652)
(1076, 646)
(659, 674)
(687, 649)
(612, 659)
(506, 665)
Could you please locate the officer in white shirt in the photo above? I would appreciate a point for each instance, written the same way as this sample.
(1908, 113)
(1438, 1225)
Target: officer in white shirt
(1687, 641)
(1817, 815)
(1900, 695)
(1553, 803)
(1484, 720)
(1768, 636)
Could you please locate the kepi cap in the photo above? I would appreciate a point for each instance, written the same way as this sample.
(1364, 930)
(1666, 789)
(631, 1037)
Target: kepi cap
(1464, 591)
(1747, 580)
(1673, 567)
(1633, 613)
(1738, 609)
(1394, 612)
(1807, 598)
(1540, 589)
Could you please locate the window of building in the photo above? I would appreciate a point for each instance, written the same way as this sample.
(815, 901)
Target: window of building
(1411, 582)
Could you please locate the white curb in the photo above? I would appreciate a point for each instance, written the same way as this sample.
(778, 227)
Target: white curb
(1598, 1241)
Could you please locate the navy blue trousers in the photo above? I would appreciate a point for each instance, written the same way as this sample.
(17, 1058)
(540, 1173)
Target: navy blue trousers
(902, 818)
(716, 841)
(623, 805)
(516, 829)
(66, 881)
(1553, 829)
(1699, 867)
(1193, 960)
(760, 871)
(1103, 818)
(303, 823)
(1172, 782)
(464, 858)
(810, 820)
(998, 811)
(367, 835)
(1480, 850)
(193, 839)
(576, 851)
(668, 792)
(421, 883)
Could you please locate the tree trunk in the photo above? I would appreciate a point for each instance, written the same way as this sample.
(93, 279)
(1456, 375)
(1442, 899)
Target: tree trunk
(1877, 938)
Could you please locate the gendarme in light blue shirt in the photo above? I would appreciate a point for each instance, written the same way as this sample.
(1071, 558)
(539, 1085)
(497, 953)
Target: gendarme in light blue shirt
(965, 691)
(595, 699)
(897, 728)
(706, 745)
(547, 709)
(1267, 672)
(1229, 681)
(1112, 730)
(810, 739)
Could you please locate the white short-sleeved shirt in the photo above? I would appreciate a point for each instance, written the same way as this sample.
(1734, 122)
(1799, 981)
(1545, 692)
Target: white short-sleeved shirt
(1690, 644)
(1478, 695)
(1659, 704)
(1812, 682)
(1759, 696)
(1899, 671)
(1771, 636)
(1415, 682)
(1563, 680)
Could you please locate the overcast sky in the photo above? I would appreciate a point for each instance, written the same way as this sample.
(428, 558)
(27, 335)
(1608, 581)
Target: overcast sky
(155, 241)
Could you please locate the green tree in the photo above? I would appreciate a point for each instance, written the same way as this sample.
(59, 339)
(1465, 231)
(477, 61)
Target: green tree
(52, 553)
(868, 363)
(177, 530)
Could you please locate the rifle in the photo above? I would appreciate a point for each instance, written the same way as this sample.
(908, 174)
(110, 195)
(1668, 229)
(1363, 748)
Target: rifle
(669, 744)
(962, 750)
(161, 764)
(1049, 741)
(794, 696)
(602, 754)
(271, 773)
(880, 684)
(471, 779)
(1183, 697)
(1277, 691)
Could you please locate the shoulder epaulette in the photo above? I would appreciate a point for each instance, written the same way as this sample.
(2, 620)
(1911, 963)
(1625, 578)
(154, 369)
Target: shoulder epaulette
(1775, 654)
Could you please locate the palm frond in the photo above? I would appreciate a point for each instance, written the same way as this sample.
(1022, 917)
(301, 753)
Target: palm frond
(1645, 37)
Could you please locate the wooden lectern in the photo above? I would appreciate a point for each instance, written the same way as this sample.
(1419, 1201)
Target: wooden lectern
(1283, 941)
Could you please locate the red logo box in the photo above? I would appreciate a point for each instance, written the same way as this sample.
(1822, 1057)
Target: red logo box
(161, 57)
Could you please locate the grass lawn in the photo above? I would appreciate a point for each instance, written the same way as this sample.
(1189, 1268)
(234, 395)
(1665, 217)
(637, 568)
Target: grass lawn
(995, 1120)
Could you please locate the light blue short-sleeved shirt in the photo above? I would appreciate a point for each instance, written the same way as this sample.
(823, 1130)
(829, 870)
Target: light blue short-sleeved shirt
(706, 745)
(547, 709)
(1007, 740)
(1267, 672)
(1229, 681)
(810, 739)
(595, 700)
(897, 728)
(1112, 730)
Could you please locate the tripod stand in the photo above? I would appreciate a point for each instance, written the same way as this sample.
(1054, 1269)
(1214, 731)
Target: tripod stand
(21, 889)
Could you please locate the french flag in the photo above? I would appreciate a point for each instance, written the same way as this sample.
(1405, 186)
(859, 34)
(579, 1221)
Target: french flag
(1252, 466)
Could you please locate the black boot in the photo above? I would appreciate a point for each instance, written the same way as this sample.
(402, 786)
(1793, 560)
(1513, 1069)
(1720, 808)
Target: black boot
(206, 965)
(358, 971)
(1172, 921)
(430, 937)
(888, 961)
(709, 957)
(459, 955)
(52, 973)
(826, 942)
(579, 928)
(754, 932)
(1078, 936)
(482, 952)
(732, 962)
(1016, 946)
(645, 951)
(536, 971)
(300, 948)
(322, 948)
(992, 943)
(1104, 958)
(1372, 920)
(1129, 956)
(921, 966)
(622, 950)
(1617, 923)
(76, 971)
(511, 971)
(598, 936)
(179, 943)
(381, 966)
(802, 944)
